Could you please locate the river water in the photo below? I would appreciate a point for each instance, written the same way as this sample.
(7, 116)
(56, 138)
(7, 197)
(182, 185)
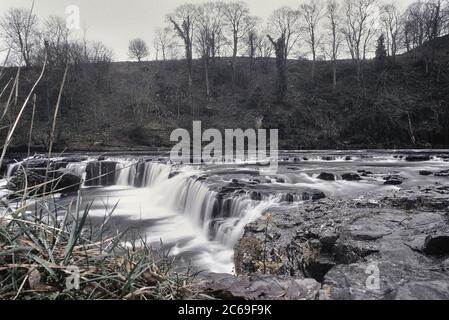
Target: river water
(199, 212)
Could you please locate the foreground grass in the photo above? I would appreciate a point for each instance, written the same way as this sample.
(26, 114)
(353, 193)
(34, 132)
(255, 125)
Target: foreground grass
(43, 250)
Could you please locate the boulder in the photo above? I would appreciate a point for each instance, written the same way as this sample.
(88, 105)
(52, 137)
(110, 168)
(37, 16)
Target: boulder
(59, 181)
(417, 158)
(393, 180)
(351, 177)
(326, 176)
(100, 173)
(313, 195)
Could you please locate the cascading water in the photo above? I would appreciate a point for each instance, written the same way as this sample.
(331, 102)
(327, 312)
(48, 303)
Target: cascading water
(200, 213)
(174, 204)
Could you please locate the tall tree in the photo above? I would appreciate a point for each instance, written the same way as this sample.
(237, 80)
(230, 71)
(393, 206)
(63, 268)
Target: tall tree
(164, 41)
(183, 20)
(57, 36)
(413, 22)
(391, 23)
(239, 24)
(209, 36)
(381, 51)
(333, 27)
(358, 29)
(284, 23)
(311, 12)
(18, 27)
(281, 65)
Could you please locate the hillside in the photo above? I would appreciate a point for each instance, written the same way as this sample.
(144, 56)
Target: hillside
(137, 105)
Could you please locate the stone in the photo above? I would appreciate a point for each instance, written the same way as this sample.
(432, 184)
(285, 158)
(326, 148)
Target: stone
(326, 176)
(417, 158)
(443, 173)
(351, 177)
(393, 180)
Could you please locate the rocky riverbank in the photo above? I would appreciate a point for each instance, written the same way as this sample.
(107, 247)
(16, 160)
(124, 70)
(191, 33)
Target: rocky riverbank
(393, 245)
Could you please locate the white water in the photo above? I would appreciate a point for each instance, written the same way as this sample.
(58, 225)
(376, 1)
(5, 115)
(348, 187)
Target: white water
(179, 211)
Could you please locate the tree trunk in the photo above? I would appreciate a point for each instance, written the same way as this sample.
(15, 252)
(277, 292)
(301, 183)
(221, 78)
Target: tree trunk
(334, 74)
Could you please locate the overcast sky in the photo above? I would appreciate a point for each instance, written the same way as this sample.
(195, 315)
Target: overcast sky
(115, 22)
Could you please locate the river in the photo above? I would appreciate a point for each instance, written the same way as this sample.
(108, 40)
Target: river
(199, 212)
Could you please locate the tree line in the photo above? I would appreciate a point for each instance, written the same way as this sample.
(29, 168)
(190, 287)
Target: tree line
(316, 30)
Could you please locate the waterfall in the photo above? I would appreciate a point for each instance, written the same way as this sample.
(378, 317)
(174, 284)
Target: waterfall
(155, 173)
(221, 219)
(125, 174)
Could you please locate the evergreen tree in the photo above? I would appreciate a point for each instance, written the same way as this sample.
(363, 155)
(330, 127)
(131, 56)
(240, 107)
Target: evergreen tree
(381, 52)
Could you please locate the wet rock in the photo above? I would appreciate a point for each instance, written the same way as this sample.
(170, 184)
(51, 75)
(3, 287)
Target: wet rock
(348, 158)
(444, 173)
(173, 173)
(425, 172)
(393, 180)
(326, 176)
(318, 268)
(436, 244)
(351, 251)
(351, 177)
(364, 173)
(424, 290)
(417, 158)
(280, 180)
(100, 173)
(258, 287)
(328, 241)
(257, 196)
(341, 243)
(313, 195)
(36, 182)
(328, 158)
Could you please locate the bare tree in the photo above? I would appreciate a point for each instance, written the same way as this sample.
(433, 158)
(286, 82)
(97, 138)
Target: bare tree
(259, 47)
(391, 23)
(239, 23)
(281, 65)
(209, 36)
(57, 36)
(138, 49)
(284, 28)
(413, 21)
(335, 36)
(183, 20)
(98, 52)
(164, 41)
(311, 12)
(284, 23)
(19, 29)
(358, 29)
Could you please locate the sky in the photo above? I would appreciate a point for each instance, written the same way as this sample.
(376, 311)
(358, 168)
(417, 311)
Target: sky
(115, 22)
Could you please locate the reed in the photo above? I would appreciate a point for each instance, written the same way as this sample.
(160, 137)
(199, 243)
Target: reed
(37, 252)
